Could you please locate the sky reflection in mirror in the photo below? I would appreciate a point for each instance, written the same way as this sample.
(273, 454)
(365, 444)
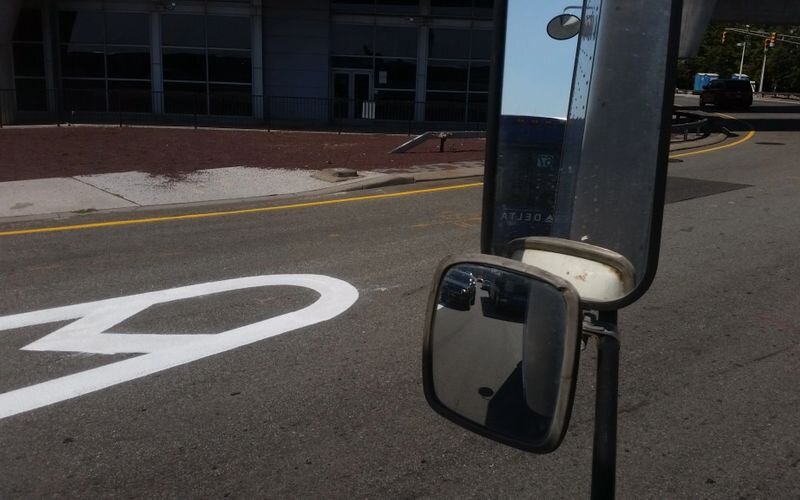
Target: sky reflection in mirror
(537, 69)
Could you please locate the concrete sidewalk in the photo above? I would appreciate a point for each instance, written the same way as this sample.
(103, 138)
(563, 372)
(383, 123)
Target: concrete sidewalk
(91, 193)
(20, 200)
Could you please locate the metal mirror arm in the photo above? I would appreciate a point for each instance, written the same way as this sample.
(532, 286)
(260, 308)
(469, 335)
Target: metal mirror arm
(603, 326)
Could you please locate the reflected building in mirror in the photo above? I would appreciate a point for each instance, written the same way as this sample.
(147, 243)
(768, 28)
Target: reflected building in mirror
(497, 358)
(537, 80)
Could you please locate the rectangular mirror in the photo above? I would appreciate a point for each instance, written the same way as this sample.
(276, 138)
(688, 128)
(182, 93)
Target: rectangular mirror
(501, 350)
(579, 130)
(537, 76)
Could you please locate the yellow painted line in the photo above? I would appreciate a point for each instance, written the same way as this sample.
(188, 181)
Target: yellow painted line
(206, 215)
(746, 138)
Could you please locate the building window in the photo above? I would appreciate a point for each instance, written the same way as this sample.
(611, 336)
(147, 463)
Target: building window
(476, 9)
(28, 48)
(105, 61)
(207, 64)
(387, 54)
(381, 37)
(458, 70)
(384, 7)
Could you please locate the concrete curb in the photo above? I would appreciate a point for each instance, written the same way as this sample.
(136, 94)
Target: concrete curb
(375, 181)
(372, 182)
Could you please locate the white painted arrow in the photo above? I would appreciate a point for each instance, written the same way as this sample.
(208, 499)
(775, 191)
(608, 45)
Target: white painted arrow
(89, 334)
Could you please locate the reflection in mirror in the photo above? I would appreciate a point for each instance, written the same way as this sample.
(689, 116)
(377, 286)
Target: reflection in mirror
(538, 68)
(570, 111)
(498, 345)
(564, 26)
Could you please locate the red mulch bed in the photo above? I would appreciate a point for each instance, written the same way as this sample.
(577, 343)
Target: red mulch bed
(41, 152)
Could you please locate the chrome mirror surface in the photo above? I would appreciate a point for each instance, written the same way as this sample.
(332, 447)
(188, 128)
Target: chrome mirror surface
(501, 351)
(537, 79)
(573, 148)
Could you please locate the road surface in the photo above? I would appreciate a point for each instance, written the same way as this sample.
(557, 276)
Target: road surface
(710, 356)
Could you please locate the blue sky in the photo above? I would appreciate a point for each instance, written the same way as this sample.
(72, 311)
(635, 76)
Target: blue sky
(538, 69)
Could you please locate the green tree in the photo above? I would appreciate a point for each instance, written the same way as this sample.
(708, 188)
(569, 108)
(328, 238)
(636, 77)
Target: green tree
(783, 61)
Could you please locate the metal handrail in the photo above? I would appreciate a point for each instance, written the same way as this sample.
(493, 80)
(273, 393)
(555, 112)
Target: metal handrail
(684, 122)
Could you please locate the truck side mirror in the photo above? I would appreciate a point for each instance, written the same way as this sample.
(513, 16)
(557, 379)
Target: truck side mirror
(501, 350)
(574, 151)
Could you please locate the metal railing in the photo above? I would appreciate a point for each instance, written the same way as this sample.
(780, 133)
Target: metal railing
(683, 123)
(143, 107)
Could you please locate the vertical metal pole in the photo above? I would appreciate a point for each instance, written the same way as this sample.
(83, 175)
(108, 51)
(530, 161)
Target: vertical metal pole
(741, 63)
(763, 68)
(604, 460)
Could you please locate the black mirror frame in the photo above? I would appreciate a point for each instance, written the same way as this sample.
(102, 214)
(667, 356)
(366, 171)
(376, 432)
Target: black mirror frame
(659, 188)
(569, 371)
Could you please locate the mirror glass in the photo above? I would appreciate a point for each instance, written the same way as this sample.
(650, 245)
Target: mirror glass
(497, 348)
(564, 26)
(579, 142)
(537, 79)
(537, 69)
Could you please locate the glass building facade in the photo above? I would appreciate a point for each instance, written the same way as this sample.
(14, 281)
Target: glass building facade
(29, 62)
(207, 64)
(104, 60)
(415, 60)
(331, 60)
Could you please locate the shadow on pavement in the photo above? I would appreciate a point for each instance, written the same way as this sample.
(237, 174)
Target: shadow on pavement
(762, 117)
(682, 188)
(762, 124)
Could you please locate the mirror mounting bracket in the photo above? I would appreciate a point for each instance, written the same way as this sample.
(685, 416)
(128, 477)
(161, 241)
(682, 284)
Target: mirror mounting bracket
(592, 326)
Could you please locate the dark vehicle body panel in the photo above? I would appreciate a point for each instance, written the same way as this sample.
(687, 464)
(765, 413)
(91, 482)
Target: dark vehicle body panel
(727, 92)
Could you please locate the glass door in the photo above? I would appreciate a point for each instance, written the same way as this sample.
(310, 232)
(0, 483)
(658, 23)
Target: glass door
(352, 95)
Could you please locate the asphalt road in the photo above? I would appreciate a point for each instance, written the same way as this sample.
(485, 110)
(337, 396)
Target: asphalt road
(710, 356)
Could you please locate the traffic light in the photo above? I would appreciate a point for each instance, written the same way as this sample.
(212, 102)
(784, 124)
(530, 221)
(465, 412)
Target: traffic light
(724, 37)
(767, 43)
(773, 37)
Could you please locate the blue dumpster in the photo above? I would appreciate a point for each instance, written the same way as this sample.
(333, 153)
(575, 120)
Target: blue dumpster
(703, 79)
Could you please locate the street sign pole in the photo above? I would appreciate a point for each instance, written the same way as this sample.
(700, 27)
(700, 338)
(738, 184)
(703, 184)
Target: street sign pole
(763, 68)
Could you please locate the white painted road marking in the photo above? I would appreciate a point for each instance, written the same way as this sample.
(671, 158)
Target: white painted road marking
(161, 352)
